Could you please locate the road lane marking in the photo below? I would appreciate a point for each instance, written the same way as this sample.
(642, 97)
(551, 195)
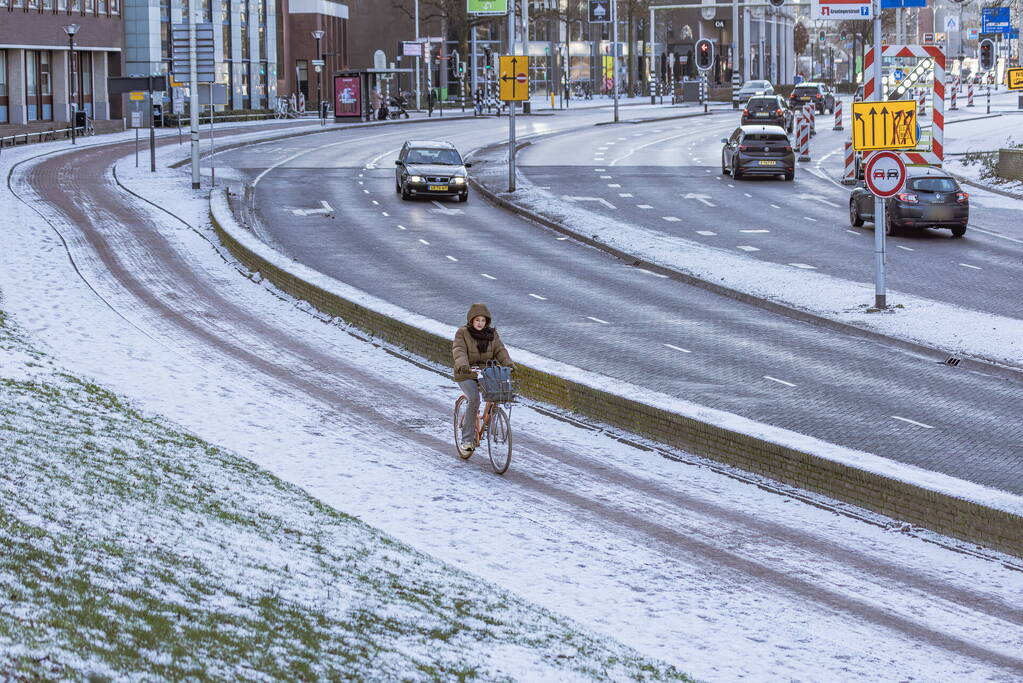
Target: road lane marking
(650, 272)
(360, 182)
(754, 231)
(561, 239)
(779, 381)
(678, 348)
(450, 258)
(807, 218)
(375, 202)
(967, 265)
(598, 320)
(706, 233)
(614, 185)
(746, 247)
(606, 177)
(537, 296)
(643, 206)
(386, 214)
(912, 422)
(748, 195)
(902, 247)
(624, 194)
(366, 191)
(489, 277)
(730, 185)
(424, 241)
(402, 227)
(600, 170)
(856, 233)
(775, 206)
(671, 219)
(804, 266)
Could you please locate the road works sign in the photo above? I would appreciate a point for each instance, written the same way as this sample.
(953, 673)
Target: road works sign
(884, 125)
(1014, 77)
(514, 78)
(885, 174)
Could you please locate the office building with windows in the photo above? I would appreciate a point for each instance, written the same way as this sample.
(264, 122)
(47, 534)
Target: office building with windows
(246, 43)
(40, 80)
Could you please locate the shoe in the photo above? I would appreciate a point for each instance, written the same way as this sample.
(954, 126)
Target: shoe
(468, 446)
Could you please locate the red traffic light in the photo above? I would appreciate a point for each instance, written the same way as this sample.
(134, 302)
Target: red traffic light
(987, 54)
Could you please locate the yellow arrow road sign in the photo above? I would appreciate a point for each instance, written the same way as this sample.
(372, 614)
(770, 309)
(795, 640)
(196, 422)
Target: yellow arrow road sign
(1015, 79)
(514, 78)
(884, 125)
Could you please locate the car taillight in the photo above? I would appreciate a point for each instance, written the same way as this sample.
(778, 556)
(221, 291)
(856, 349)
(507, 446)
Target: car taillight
(962, 197)
(907, 197)
(778, 112)
(745, 112)
(818, 96)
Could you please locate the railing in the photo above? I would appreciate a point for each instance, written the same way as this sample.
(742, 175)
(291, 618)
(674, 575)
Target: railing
(40, 135)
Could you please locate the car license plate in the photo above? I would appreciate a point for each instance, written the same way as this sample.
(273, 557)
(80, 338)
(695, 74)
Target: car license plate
(768, 163)
(804, 99)
(438, 188)
(763, 114)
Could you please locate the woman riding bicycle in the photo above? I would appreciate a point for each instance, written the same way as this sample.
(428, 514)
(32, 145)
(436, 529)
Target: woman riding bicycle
(475, 343)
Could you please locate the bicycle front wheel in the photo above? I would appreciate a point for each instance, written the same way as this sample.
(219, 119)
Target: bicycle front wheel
(459, 415)
(499, 440)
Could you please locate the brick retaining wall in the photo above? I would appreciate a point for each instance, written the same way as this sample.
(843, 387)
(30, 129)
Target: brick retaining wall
(1010, 164)
(991, 518)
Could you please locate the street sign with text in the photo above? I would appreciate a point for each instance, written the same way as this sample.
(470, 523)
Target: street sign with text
(1014, 77)
(600, 11)
(206, 56)
(840, 10)
(514, 78)
(884, 125)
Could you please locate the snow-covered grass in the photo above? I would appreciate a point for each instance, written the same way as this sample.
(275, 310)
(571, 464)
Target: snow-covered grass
(133, 549)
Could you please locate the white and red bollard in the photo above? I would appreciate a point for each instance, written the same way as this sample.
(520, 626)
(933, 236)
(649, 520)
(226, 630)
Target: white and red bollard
(969, 95)
(849, 176)
(955, 98)
(922, 99)
(804, 138)
(838, 116)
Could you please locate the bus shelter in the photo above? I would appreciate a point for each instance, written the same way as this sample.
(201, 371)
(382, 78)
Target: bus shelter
(353, 92)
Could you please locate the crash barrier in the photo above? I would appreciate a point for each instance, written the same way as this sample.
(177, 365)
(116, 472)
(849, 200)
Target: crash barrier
(838, 116)
(946, 505)
(804, 137)
(849, 174)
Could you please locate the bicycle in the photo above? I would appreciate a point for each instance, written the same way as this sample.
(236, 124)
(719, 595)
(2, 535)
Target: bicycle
(494, 422)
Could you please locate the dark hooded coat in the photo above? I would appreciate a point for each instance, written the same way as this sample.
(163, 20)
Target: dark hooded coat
(465, 348)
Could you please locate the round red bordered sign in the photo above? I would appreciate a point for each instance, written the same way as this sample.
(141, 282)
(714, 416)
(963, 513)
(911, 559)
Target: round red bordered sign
(885, 174)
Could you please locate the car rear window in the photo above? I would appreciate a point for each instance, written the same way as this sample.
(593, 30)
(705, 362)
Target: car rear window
(800, 90)
(934, 185)
(763, 104)
(766, 137)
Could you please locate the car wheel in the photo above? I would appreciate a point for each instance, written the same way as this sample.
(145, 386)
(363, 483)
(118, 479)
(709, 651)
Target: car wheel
(958, 232)
(404, 192)
(854, 215)
(724, 171)
(736, 173)
(464, 197)
(889, 225)
(790, 176)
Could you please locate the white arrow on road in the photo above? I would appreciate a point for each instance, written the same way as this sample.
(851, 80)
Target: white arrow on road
(818, 198)
(326, 210)
(445, 210)
(699, 197)
(589, 199)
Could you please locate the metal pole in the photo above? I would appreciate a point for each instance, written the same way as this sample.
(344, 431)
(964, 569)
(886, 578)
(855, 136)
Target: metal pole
(417, 57)
(879, 208)
(736, 59)
(614, 55)
(213, 162)
(319, 93)
(474, 79)
(511, 146)
(653, 60)
(193, 100)
(72, 104)
(152, 130)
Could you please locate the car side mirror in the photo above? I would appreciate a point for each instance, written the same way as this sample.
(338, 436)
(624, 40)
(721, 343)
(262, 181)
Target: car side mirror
(724, 140)
(467, 164)
(397, 162)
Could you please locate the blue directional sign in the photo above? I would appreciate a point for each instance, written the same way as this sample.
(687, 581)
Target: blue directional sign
(891, 4)
(899, 74)
(995, 20)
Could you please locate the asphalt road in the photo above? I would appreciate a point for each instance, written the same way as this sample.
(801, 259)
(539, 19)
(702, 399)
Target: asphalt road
(572, 303)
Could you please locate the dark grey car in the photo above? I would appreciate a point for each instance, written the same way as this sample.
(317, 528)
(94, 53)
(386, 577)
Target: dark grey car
(758, 150)
(930, 199)
(431, 168)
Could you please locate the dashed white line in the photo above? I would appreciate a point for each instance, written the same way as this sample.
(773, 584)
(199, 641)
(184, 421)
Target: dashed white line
(906, 248)
(605, 177)
(424, 241)
(402, 227)
(537, 296)
(643, 206)
(375, 202)
(754, 231)
(614, 185)
(746, 247)
(775, 206)
(450, 258)
(489, 277)
(730, 185)
(852, 231)
(624, 194)
(967, 265)
(600, 170)
(678, 348)
(706, 233)
(386, 214)
(650, 272)
(804, 266)
(561, 239)
(807, 218)
(748, 194)
(360, 182)
(671, 219)
(597, 320)
(912, 422)
(366, 191)
(779, 381)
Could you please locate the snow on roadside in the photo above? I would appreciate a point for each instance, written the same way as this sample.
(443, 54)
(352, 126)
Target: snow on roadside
(924, 321)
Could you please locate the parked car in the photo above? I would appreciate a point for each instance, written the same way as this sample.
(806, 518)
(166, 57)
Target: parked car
(430, 168)
(931, 199)
(758, 150)
(751, 88)
(820, 94)
(768, 110)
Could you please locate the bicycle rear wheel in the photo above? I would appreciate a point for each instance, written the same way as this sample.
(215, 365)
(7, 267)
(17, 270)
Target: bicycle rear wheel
(459, 415)
(499, 440)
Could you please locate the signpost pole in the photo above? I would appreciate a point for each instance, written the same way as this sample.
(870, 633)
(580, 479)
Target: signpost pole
(735, 55)
(614, 54)
(136, 135)
(511, 146)
(193, 99)
(152, 129)
(653, 60)
(879, 208)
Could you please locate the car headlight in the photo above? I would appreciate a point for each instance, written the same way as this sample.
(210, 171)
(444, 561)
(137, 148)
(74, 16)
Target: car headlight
(458, 180)
(415, 178)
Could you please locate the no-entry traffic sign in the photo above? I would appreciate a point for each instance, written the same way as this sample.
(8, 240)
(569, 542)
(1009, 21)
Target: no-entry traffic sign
(885, 174)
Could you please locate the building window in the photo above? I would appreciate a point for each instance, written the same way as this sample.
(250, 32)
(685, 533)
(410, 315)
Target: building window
(85, 81)
(101, 6)
(62, 5)
(261, 11)
(302, 77)
(3, 85)
(38, 90)
(246, 100)
(243, 20)
(89, 5)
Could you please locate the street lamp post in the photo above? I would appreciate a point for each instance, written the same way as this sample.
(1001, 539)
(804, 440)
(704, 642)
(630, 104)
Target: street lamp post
(71, 30)
(318, 34)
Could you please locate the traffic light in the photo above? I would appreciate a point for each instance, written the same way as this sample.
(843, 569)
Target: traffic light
(487, 59)
(987, 54)
(704, 54)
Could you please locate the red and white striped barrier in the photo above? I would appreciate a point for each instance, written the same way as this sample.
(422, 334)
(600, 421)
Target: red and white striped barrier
(849, 176)
(922, 99)
(838, 116)
(936, 155)
(954, 106)
(804, 138)
(969, 95)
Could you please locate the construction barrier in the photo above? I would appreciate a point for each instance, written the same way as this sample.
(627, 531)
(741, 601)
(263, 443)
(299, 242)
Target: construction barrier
(955, 98)
(849, 175)
(969, 95)
(838, 116)
(804, 137)
(922, 99)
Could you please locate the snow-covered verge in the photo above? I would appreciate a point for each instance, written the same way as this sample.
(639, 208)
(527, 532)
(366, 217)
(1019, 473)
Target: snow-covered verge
(135, 550)
(979, 168)
(914, 319)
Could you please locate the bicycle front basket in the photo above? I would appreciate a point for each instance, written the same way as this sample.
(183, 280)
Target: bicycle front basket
(496, 385)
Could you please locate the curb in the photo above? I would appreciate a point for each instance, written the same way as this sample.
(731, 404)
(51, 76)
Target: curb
(982, 515)
(977, 363)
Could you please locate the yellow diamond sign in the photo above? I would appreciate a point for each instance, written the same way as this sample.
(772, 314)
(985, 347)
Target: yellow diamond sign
(884, 125)
(514, 78)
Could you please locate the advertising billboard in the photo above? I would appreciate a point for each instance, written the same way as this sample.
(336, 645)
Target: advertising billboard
(348, 91)
(487, 6)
